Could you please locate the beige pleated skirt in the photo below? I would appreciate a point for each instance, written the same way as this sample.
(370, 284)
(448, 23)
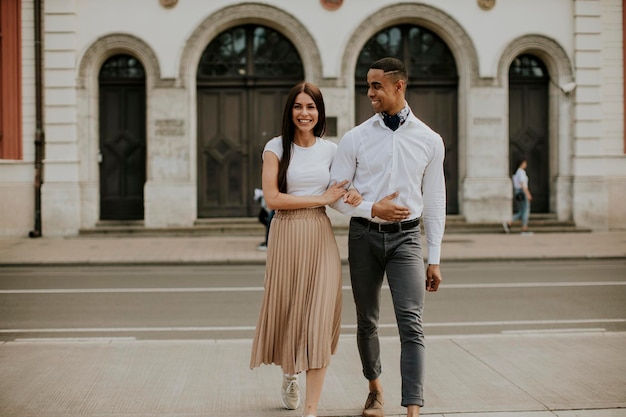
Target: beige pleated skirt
(299, 323)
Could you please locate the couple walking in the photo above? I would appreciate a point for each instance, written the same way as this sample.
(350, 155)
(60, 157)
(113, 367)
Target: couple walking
(387, 175)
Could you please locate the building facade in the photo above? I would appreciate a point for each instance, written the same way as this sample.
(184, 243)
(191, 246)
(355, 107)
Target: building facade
(156, 112)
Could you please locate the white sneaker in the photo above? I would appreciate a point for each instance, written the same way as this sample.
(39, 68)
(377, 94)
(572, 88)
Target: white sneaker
(527, 233)
(506, 227)
(290, 392)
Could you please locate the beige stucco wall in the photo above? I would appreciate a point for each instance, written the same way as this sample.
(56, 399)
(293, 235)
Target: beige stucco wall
(588, 166)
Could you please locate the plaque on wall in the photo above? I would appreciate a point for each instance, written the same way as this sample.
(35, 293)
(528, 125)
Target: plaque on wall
(486, 4)
(331, 4)
(170, 127)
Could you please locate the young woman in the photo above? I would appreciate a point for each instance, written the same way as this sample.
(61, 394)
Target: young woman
(522, 196)
(298, 327)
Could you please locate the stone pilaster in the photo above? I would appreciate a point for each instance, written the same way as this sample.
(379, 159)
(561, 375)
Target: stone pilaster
(486, 188)
(60, 191)
(170, 191)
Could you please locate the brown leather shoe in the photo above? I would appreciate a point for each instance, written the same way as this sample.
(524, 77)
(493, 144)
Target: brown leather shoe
(374, 405)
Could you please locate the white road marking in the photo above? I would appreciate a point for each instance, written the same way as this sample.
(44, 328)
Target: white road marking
(535, 284)
(551, 331)
(257, 289)
(344, 327)
(129, 290)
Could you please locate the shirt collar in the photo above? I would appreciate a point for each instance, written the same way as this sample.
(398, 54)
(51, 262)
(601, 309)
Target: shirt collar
(403, 114)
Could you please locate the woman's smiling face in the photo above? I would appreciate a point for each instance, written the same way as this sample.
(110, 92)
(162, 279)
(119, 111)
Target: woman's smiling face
(304, 112)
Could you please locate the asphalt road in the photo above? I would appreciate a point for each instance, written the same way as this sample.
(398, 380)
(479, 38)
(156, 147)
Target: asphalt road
(222, 302)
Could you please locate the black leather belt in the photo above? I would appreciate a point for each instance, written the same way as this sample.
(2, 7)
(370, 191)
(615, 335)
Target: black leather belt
(388, 227)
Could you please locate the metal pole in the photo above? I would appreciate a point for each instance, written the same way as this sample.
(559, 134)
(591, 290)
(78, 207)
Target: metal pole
(39, 132)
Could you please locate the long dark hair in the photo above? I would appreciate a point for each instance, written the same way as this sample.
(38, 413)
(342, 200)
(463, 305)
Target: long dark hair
(289, 128)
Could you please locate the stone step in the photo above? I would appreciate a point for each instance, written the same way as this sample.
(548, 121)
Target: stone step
(250, 226)
(538, 223)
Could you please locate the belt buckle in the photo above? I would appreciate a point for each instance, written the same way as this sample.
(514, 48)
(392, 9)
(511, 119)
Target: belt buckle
(389, 227)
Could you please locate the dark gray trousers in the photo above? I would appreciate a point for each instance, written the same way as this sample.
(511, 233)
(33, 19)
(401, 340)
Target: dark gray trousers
(399, 254)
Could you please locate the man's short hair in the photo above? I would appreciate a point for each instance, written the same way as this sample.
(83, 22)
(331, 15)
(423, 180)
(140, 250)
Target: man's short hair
(391, 66)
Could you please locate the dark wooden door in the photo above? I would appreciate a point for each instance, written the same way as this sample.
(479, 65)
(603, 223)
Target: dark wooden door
(222, 152)
(244, 76)
(431, 92)
(122, 146)
(232, 134)
(267, 113)
(437, 107)
(528, 127)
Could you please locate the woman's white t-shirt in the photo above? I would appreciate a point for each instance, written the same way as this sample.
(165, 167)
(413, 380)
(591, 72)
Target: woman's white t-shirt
(520, 179)
(309, 169)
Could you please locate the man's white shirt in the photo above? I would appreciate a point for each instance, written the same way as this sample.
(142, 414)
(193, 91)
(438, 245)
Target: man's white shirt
(379, 162)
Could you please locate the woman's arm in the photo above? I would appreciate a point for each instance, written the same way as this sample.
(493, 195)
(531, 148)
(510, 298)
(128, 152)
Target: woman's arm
(525, 188)
(529, 196)
(276, 200)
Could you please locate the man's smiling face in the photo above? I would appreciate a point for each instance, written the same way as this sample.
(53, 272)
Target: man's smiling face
(384, 92)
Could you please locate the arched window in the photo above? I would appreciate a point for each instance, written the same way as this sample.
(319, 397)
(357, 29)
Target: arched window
(250, 53)
(425, 54)
(527, 67)
(121, 67)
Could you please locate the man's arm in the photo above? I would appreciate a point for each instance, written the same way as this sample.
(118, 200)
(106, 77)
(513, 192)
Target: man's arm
(434, 197)
(344, 167)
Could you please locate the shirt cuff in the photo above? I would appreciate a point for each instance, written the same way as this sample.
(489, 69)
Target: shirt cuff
(434, 255)
(364, 209)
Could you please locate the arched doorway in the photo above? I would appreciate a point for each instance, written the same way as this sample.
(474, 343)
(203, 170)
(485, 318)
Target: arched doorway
(122, 139)
(431, 92)
(528, 125)
(243, 78)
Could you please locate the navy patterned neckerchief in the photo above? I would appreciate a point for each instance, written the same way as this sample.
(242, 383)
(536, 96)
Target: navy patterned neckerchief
(393, 122)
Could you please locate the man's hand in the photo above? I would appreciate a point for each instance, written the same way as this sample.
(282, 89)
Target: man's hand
(352, 197)
(433, 278)
(387, 210)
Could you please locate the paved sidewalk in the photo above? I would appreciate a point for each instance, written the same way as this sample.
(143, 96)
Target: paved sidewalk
(243, 249)
(567, 374)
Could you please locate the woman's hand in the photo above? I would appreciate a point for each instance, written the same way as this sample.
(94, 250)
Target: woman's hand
(353, 197)
(334, 192)
(529, 196)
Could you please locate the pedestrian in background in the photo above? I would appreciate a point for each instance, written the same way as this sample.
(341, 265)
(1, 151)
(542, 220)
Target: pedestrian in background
(522, 198)
(396, 162)
(265, 216)
(299, 323)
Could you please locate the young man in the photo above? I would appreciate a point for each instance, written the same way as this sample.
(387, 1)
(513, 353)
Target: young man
(396, 162)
